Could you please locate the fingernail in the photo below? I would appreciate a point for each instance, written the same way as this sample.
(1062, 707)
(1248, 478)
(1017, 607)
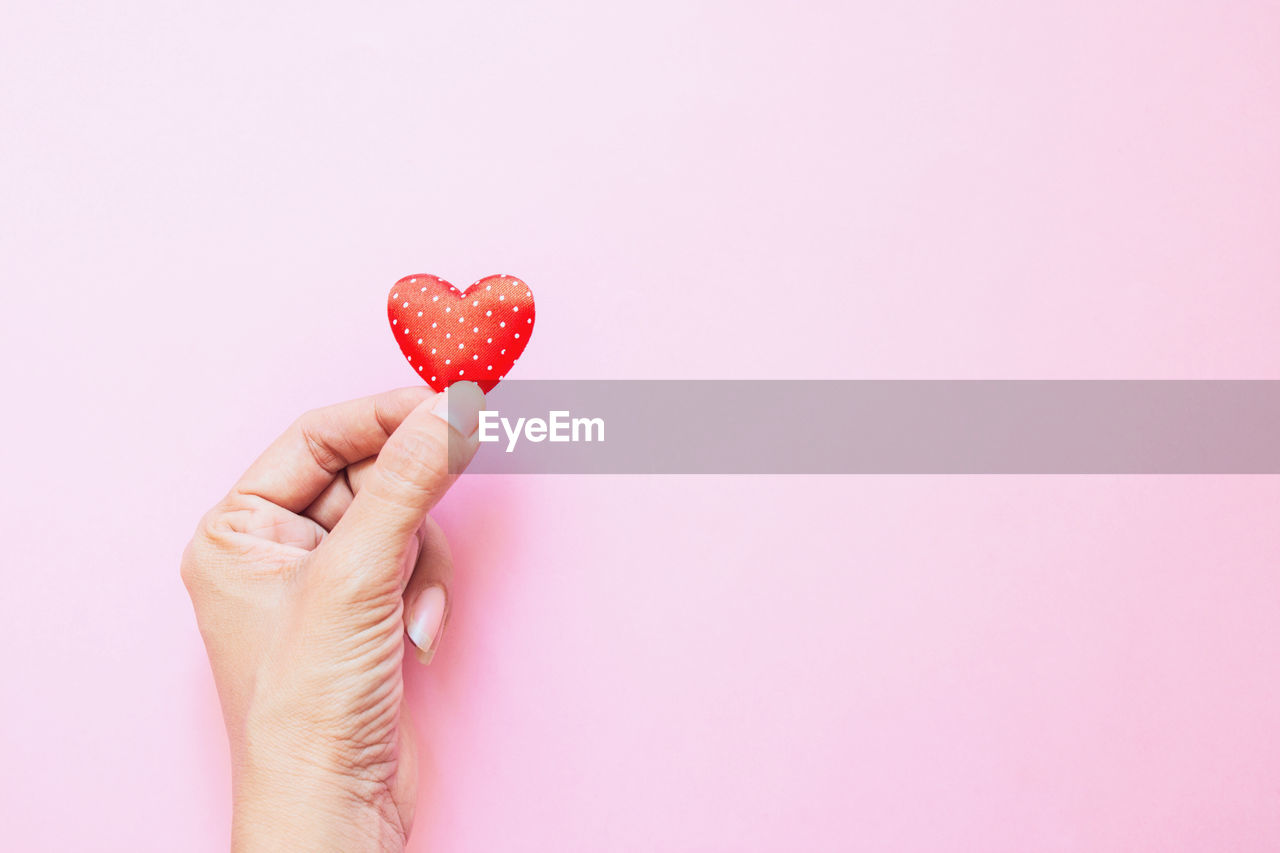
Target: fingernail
(426, 620)
(460, 404)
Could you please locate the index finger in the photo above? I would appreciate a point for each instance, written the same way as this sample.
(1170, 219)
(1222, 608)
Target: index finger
(295, 469)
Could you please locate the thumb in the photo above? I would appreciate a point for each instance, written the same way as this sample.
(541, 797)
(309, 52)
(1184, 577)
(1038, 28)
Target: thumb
(414, 469)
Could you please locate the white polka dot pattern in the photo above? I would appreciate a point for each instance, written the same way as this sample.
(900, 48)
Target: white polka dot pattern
(417, 313)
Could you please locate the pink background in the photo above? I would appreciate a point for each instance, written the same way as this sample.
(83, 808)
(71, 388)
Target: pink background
(201, 208)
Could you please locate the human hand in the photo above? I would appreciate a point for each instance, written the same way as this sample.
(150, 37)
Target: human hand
(304, 579)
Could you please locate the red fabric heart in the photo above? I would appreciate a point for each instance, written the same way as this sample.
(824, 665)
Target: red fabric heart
(449, 336)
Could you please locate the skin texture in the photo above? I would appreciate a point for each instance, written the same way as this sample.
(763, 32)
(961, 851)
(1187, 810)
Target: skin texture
(302, 579)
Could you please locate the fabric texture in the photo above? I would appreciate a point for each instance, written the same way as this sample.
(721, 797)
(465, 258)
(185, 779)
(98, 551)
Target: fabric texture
(451, 336)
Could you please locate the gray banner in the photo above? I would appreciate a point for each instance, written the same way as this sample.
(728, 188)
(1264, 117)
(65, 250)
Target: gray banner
(881, 427)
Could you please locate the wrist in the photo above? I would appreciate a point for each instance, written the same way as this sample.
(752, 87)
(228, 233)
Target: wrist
(291, 803)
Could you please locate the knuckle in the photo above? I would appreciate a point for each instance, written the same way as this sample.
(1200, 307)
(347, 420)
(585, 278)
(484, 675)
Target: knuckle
(321, 450)
(418, 459)
(195, 558)
(188, 569)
